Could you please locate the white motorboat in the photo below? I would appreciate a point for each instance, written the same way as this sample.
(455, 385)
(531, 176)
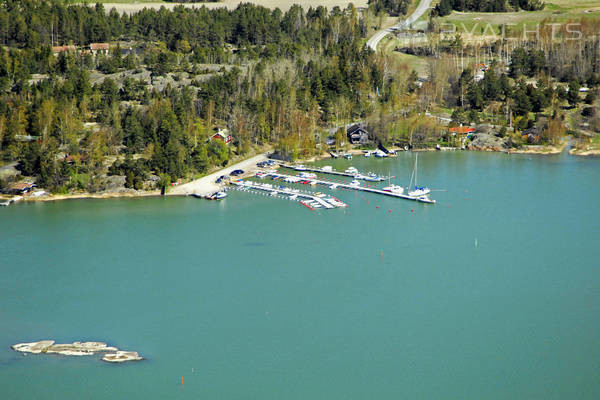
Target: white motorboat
(348, 156)
(351, 170)
(307, 175)
(354, 183)
(372, 177)
(292, 179)
(300, 167)
(217, 196)
(379, 154)
(419, 191)
(367, 154)
(395, 189)
(327, 168)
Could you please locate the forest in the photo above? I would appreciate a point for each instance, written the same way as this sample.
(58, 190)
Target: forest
(144, 109)
(287, 74)
(445, 7)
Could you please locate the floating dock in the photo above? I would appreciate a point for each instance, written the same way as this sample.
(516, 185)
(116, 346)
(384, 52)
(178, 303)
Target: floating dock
(335, 185)
(356, 175)
(308, 199)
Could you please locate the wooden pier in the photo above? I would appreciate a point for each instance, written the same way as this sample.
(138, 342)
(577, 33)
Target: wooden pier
(356, 175)
(334, 185)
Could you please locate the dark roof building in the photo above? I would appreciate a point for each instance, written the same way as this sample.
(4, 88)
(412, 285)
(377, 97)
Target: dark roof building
(357, 134)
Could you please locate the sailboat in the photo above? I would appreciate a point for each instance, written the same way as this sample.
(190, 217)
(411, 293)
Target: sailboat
(418, 191)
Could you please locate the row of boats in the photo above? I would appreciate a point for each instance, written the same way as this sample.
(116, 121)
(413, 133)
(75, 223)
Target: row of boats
(313, 200)
(417, 191)
(368, 153)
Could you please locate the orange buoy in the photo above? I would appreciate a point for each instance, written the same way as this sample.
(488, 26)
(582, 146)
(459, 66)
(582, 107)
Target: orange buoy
(182, 381)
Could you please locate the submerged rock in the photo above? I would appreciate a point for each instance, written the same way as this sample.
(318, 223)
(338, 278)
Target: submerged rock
(77, 349)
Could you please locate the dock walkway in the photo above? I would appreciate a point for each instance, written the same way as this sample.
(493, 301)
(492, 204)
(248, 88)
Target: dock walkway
(334, 185)
(357, 175)
(307, 198)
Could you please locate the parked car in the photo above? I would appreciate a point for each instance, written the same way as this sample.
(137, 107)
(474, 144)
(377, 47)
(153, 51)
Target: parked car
(221, 178)
(237, 172)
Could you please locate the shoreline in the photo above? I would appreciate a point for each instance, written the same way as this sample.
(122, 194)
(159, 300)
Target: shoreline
(206, 185)
(584, 153)
(104, 195)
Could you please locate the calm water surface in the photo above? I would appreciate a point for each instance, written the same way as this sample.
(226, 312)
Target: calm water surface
(260, 298)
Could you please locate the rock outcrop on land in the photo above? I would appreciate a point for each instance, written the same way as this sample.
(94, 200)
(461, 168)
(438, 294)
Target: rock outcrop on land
(78, 349)
(487, 142)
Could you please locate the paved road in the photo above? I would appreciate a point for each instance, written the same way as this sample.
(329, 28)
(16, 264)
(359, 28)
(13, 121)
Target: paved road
(376, 38)
(207, 185)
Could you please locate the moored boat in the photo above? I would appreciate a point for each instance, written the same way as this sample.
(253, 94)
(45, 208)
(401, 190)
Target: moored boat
(217, 196)
(307, 175)
(395, 189)
(418, 191)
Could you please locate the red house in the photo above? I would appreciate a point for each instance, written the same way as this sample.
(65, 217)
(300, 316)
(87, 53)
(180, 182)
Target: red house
(462, 130)
(222, 135)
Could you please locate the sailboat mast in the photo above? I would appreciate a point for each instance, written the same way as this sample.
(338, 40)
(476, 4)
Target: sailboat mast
(416, 169)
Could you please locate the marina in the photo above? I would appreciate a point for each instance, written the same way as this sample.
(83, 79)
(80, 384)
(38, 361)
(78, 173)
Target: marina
(310, 200)
(350, 172)
(354, 185)
(440, 272)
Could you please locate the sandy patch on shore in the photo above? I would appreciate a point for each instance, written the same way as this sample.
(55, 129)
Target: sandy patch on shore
(109, 195)
(206, 184)
(130, 8)
(581, 152)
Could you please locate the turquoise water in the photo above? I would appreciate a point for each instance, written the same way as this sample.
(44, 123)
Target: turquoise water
(260, 298)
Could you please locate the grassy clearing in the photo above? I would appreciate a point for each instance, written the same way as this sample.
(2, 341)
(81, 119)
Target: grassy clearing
(558, 11)
(419, 64)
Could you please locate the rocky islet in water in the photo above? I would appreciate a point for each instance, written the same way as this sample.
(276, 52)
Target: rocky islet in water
(111, 354)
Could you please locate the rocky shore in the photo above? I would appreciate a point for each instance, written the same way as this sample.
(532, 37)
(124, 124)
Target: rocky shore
(584, 152)
(111, 354)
